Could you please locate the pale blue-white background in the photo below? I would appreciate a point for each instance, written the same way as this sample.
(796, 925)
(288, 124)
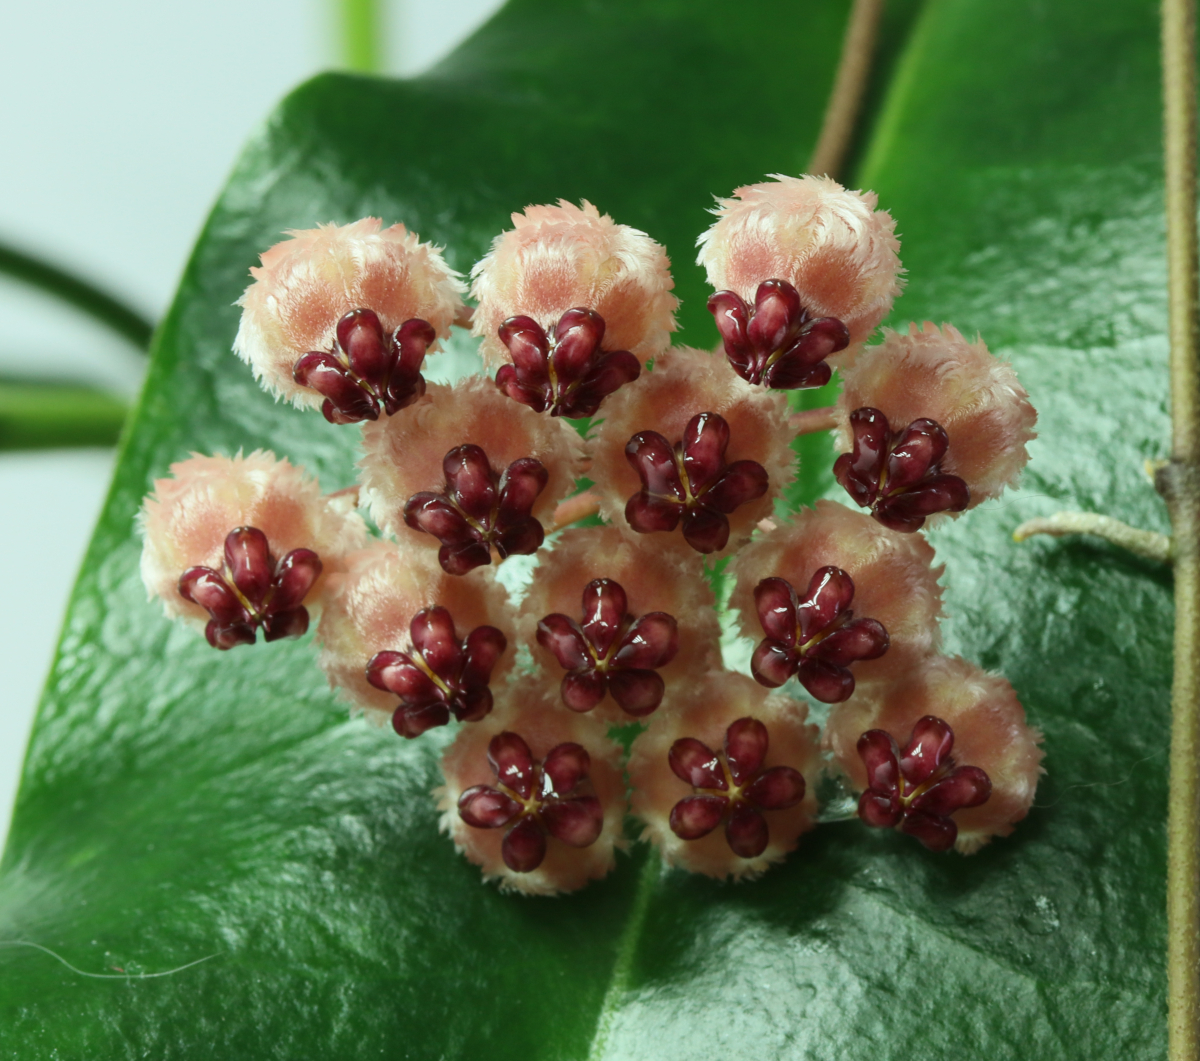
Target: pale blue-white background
(119, 123)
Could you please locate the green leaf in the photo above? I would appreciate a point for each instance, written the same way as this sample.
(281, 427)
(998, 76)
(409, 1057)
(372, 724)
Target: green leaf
(178, 805)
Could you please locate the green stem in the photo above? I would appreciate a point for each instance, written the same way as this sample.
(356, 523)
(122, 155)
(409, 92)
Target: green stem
(1179, 483)
(49, 416)
(78, 292)
(360, 22)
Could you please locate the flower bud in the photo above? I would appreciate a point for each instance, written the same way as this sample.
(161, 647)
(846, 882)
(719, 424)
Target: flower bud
(405, 455)
(830, 244)
(308, 283)
(187, 519)
(565, 257)
(564, 856)
(371, 608)
(932, 373)
(684, 383)
(894, 580)
(710, 717)
(989, 732)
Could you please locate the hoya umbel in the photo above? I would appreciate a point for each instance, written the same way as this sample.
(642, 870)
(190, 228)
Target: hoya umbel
(618, 621)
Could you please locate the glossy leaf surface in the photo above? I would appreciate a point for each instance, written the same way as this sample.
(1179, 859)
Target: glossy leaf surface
(177, 805)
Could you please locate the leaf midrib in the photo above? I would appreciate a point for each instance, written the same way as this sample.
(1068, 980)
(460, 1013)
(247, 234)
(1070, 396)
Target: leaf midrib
(882, 132)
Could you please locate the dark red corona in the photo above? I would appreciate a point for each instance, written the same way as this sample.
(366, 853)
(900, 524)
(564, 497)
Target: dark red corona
(690, 482)
(440, 675)
(898, 474)
(368, 370)
(917, 790)
(534, 800)
(777, 343)
(252, 590)
(569, 376)
(731, 786)
(816, 638)
(611, 651)
(479, 510)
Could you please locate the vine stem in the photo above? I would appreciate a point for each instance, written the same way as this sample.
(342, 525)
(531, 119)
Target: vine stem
(1179, 483)
(76, 291)
(849, 85)
(360, 34)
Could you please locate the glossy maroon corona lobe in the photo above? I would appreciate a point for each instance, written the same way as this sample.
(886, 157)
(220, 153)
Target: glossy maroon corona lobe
(535, 800)
(367, 370)
(570, 376)
(816, 638)
(252, 590)
(916, 791)
(731, 786)
(690, 482)
(777, 343)
(480, 510)
(611, 651)
(439, 675)
(897, 474)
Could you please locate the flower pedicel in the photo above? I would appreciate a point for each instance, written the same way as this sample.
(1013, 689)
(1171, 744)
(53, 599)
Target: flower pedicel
(617, 623)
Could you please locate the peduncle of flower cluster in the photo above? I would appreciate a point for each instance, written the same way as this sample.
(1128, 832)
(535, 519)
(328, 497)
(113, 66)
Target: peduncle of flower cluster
(688, 451)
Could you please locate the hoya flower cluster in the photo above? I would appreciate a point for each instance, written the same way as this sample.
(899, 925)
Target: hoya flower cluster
(687, 452)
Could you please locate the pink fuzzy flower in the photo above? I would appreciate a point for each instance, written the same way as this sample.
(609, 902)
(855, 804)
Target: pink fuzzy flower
(371, 610)
(534, 795)
(651, 581)
(830, 244)
(987, 731)
(939, 417)
(754, 792)
(272, 573)
(404, 456)
(565, 257)
(893, 578)
(308, 283)
(685, 383)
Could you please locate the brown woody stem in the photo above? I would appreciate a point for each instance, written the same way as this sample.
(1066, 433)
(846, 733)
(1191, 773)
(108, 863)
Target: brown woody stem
(1150, 544)
(1179, 483)
(849, 84)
